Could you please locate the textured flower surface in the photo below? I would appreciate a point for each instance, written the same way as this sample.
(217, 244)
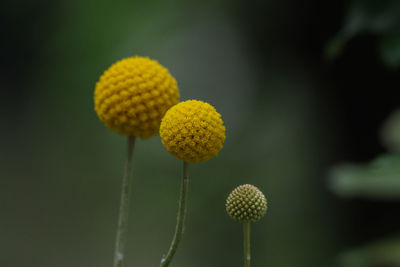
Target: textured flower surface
(133, 95)
(246, 203)
(193, 131)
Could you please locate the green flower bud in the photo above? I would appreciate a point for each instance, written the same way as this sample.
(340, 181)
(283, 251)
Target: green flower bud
(246, 203)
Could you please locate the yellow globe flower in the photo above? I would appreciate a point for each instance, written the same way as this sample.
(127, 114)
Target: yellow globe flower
(133, 95)
(193, 131)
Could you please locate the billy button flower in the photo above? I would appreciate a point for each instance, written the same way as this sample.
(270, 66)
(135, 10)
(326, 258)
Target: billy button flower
(133, 95)
(193, 131)
(130, 98)
(246, 204)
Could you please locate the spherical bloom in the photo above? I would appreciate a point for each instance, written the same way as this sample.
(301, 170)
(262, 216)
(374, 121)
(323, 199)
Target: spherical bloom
(133, 95)
(246, 203)
(193, 131)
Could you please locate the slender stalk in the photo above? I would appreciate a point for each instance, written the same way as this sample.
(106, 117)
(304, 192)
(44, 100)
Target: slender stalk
(166, 260)
(124, 205)
(246, 243)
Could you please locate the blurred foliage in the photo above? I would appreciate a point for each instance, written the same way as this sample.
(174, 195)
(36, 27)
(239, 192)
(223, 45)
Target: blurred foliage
(377, 18)
(390, 132)
(383, 253)
(378, 179)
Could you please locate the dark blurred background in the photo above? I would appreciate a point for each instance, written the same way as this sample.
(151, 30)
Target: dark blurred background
(303, 87)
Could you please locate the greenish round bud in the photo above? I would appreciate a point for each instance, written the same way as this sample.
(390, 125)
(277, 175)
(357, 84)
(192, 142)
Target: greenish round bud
(246, 203)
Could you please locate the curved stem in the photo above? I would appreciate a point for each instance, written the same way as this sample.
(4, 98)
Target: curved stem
(124, 205)
(246, 243)
(165, 261)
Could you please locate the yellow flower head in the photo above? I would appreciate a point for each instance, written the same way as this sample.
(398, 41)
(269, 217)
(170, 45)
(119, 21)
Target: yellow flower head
(133, 95)
(193, 131)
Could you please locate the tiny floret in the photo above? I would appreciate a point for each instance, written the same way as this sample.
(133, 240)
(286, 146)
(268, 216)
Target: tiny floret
(193, 131)
(246, 203)
(132, 96)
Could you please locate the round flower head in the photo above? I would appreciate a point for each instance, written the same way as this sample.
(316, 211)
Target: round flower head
(246, 203)
(133, 95)
(193, 131)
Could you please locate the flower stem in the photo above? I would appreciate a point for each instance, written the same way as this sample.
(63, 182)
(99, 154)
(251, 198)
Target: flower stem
(165, 261)
(246, 243)
(124, 205)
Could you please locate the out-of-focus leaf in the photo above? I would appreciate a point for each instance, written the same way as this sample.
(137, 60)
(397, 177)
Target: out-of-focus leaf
(354, 24)
(378, 179)
(380, 18)
(335, 47)
(389, 49)
(390, 132)
(381, 253)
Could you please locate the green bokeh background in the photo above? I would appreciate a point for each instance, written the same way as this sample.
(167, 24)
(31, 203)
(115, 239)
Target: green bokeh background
(61, 169)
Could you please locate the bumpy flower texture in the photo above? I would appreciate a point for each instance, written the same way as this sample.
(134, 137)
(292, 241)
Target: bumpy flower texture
(246, 203)
(193, 131)
(133, 95)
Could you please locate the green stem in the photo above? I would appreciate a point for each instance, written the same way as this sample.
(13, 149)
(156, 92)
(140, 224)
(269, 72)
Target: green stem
(124, 205)
(166, 260)
(246, 243)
